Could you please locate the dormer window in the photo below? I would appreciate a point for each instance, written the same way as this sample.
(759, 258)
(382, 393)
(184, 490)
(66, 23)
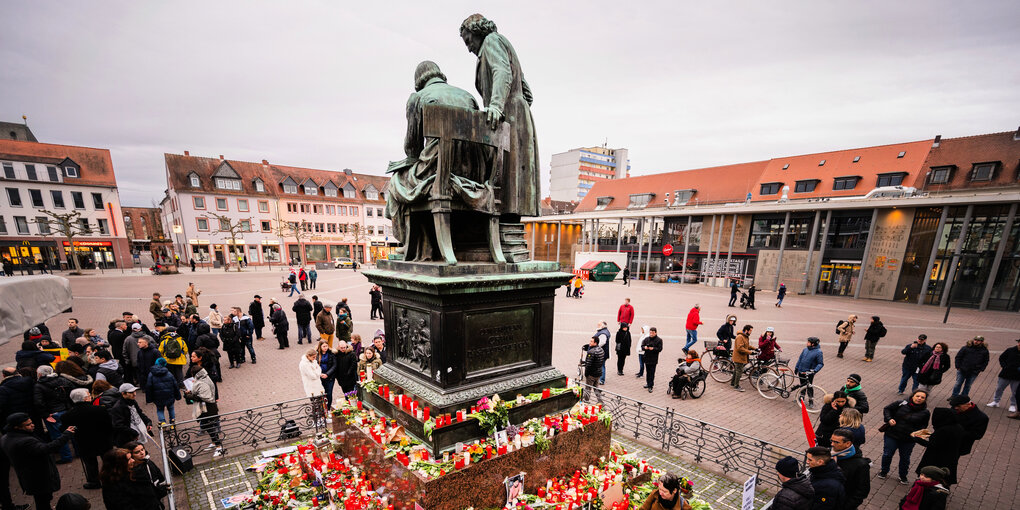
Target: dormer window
(329, 190)
(311, 189)
(640, 200)
(770, 188)
(371, 195)
(940, 175)
(983, 172)
(890, 179)
(349, 191)
(602, 202)
(805, 186)
(260, 186)
(71, 171)
(683, 196)
(229, 184)
(290, 188)
(194, 181)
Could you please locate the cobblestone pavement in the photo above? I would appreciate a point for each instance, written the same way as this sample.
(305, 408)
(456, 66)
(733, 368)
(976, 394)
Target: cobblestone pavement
(987, 476)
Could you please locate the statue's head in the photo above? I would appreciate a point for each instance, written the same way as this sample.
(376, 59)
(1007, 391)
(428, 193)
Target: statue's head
(473, 31)
(425, 72)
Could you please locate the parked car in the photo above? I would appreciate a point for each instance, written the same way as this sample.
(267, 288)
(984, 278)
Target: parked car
(343, 263)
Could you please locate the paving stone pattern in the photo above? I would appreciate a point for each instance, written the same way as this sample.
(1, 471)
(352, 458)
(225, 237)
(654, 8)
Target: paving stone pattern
(987, 476)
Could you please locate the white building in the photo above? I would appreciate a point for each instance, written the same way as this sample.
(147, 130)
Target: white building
(574, 172)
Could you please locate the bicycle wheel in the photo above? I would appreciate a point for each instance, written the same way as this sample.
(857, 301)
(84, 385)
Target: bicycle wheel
(721, 370)
(768, 386)
(757, 372)
(698, 389)
(813, 396)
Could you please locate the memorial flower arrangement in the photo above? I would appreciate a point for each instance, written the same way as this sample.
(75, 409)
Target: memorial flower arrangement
(492, 414)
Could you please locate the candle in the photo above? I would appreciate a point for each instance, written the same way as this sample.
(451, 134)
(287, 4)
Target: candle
(359, 405)
(460, 415)
(467, 458)
(545, 393)
(426, 413)
(502, 449)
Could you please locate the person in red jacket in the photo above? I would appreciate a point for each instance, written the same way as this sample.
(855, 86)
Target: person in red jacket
(626, 313)
(693, 321)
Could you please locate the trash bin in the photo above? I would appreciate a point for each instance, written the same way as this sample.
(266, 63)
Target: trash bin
(601, 271)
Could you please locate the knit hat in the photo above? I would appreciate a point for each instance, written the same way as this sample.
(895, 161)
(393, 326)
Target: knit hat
(855, 378)
(787, 466)
(935, 473)
(161, 362)
(17, 419)
(136, 327)
(959, 400)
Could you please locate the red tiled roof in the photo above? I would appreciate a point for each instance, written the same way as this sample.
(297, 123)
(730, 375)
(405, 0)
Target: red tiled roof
(96, 164)
(963, 153)
(719, 184)
(873, 161)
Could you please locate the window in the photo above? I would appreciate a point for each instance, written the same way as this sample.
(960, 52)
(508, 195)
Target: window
(371, 230)
(844, 183)
(223, 183)
(368, 212)
(203, 224)
(79, 199)
(372, 195)
(71, 171)
(311, 190)
(770, 188)
(291, 207)
(640, 200)
(14, 197)
(54, 176)
(378, 212)
(260, 186)
(245, 226)
(317, 208)
(221, 204)
(3, 225)
(42, 225)
(30, 171)
(83, 224)
(349, 191)
(343, 210)
(58, 199)
(320, 228)
(683, 196)
(104, 227)
(331, 209)
(22, 223)
(821, 163)
(97, 201)
(890, 179)
(602, 202)
(8, 171)
(786, 166)
(805, 186)
(857, 159)
(306, 208)
(194, 181)
(290, 188)
(331, 228)
(199, 202)
(901, 154)
(983, 172)
(263, 206)
(36, 196)
(224, 224)
(354, 211)
(242, 205)
(940, 175)
(330, 191)
(266, 226)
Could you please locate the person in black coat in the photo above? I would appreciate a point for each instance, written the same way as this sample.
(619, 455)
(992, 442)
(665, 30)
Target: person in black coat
(94, 435)
(376, 299)
(828, 418)
(1009, 376)
(346, 367)
(651, 346)
(826, 479)
(726, 334)
(914, 355)
(146, 358)
(316, 306)
(17, 394)
(971, 360)
(930, 373)
(116, 335)
(876, 330)
(942, 445)
(796, 492)
(855, 467)
(734, 289)
(972, 419)
(623, 341)
(902, 418)
(258, 319)
(854, 391)
(327, 363)
(30, 356)
(281, 325)
(303, 316)
(232, 342)
(31, 460)
(120, 415)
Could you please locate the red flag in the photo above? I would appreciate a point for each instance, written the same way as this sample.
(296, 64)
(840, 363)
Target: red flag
(809, 431)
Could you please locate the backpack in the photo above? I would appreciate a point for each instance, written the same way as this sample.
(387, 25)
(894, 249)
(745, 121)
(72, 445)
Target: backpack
(881, 331)
(840, 325)
(172, 347)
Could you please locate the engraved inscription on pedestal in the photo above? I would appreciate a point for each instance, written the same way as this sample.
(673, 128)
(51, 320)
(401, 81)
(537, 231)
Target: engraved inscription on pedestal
(499, 338)
(414, 339)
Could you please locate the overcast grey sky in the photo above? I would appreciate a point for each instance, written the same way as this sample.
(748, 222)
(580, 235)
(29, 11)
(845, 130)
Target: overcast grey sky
(681, 84)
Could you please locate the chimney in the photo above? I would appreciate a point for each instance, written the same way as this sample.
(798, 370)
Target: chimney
(221, 157)
(186, 153)
(938, 139)
(265, 163)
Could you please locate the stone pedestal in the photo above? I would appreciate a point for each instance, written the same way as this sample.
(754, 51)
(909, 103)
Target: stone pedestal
(457, 333)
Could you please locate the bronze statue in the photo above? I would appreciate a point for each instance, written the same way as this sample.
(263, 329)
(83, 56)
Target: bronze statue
(506, 96)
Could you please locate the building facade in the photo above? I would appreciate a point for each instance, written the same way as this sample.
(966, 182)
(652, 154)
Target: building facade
(39, 177)
(149, 242)
(930, 222)
(573, 173)
(278, 214)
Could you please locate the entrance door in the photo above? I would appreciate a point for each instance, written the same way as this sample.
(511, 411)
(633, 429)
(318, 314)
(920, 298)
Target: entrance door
(838, 279)
(218, 251)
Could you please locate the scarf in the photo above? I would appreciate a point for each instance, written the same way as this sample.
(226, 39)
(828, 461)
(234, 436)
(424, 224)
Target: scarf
(846, 454)
(848, 390)
(932, 363)
(913, 499)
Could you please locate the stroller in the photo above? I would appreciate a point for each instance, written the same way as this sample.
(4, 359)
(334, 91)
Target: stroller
(745, 301)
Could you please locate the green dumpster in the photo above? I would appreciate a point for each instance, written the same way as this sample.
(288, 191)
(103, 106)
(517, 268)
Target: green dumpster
(601, 271)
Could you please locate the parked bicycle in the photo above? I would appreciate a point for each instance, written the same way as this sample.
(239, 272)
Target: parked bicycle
(784, 383)
(721, 367)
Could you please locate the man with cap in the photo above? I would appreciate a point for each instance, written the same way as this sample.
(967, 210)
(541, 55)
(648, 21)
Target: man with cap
(128, 418)
(853, 390)
(973, 420)
(796, 492)
(258, 319)
(928, 491)
(971, 360)
(914, 356)
(344, 326)
(31, 460)
(324, 323)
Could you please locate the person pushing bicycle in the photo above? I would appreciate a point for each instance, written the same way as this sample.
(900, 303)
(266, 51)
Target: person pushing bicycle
(809, 364)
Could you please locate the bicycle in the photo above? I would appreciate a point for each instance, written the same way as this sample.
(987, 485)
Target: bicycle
(720, 369)
(784, 382)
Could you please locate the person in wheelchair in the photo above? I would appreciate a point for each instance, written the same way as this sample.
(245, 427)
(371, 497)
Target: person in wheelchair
(725, 334)
(687, 370)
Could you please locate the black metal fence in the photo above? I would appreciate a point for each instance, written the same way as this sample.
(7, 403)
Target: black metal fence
(704, 442)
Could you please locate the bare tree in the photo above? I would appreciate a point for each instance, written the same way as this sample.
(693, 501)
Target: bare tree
(299, 231)
(232, 230)
(358, 233)
(68, 225)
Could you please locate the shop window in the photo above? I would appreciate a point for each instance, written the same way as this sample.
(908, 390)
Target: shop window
(766, 233)
(894, 179)
(844, 183)
(97, 201)
(58, 199)
(940, 175)
(36, 196)
(22, 224)
(14, 197)
(983, 172)
(805, 186)
(199, 202)
(79, 199)
(43, 225)
(104, 227)
(263, 206)
(315, 252)
(8, 171)
(770, 188)
(221, 204)
(242, 205)
(30, 171)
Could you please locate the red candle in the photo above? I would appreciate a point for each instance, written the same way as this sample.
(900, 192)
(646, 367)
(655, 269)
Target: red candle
(359, 405)
(426, 412)
(502, 449)
(460, 415)
(545, 393)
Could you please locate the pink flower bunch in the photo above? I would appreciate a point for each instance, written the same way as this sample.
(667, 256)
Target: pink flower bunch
(484, 405)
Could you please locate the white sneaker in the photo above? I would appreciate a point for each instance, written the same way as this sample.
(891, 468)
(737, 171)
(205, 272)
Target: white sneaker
(992, 404)
(218, 452)
(211, 446)
(1012, 409)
